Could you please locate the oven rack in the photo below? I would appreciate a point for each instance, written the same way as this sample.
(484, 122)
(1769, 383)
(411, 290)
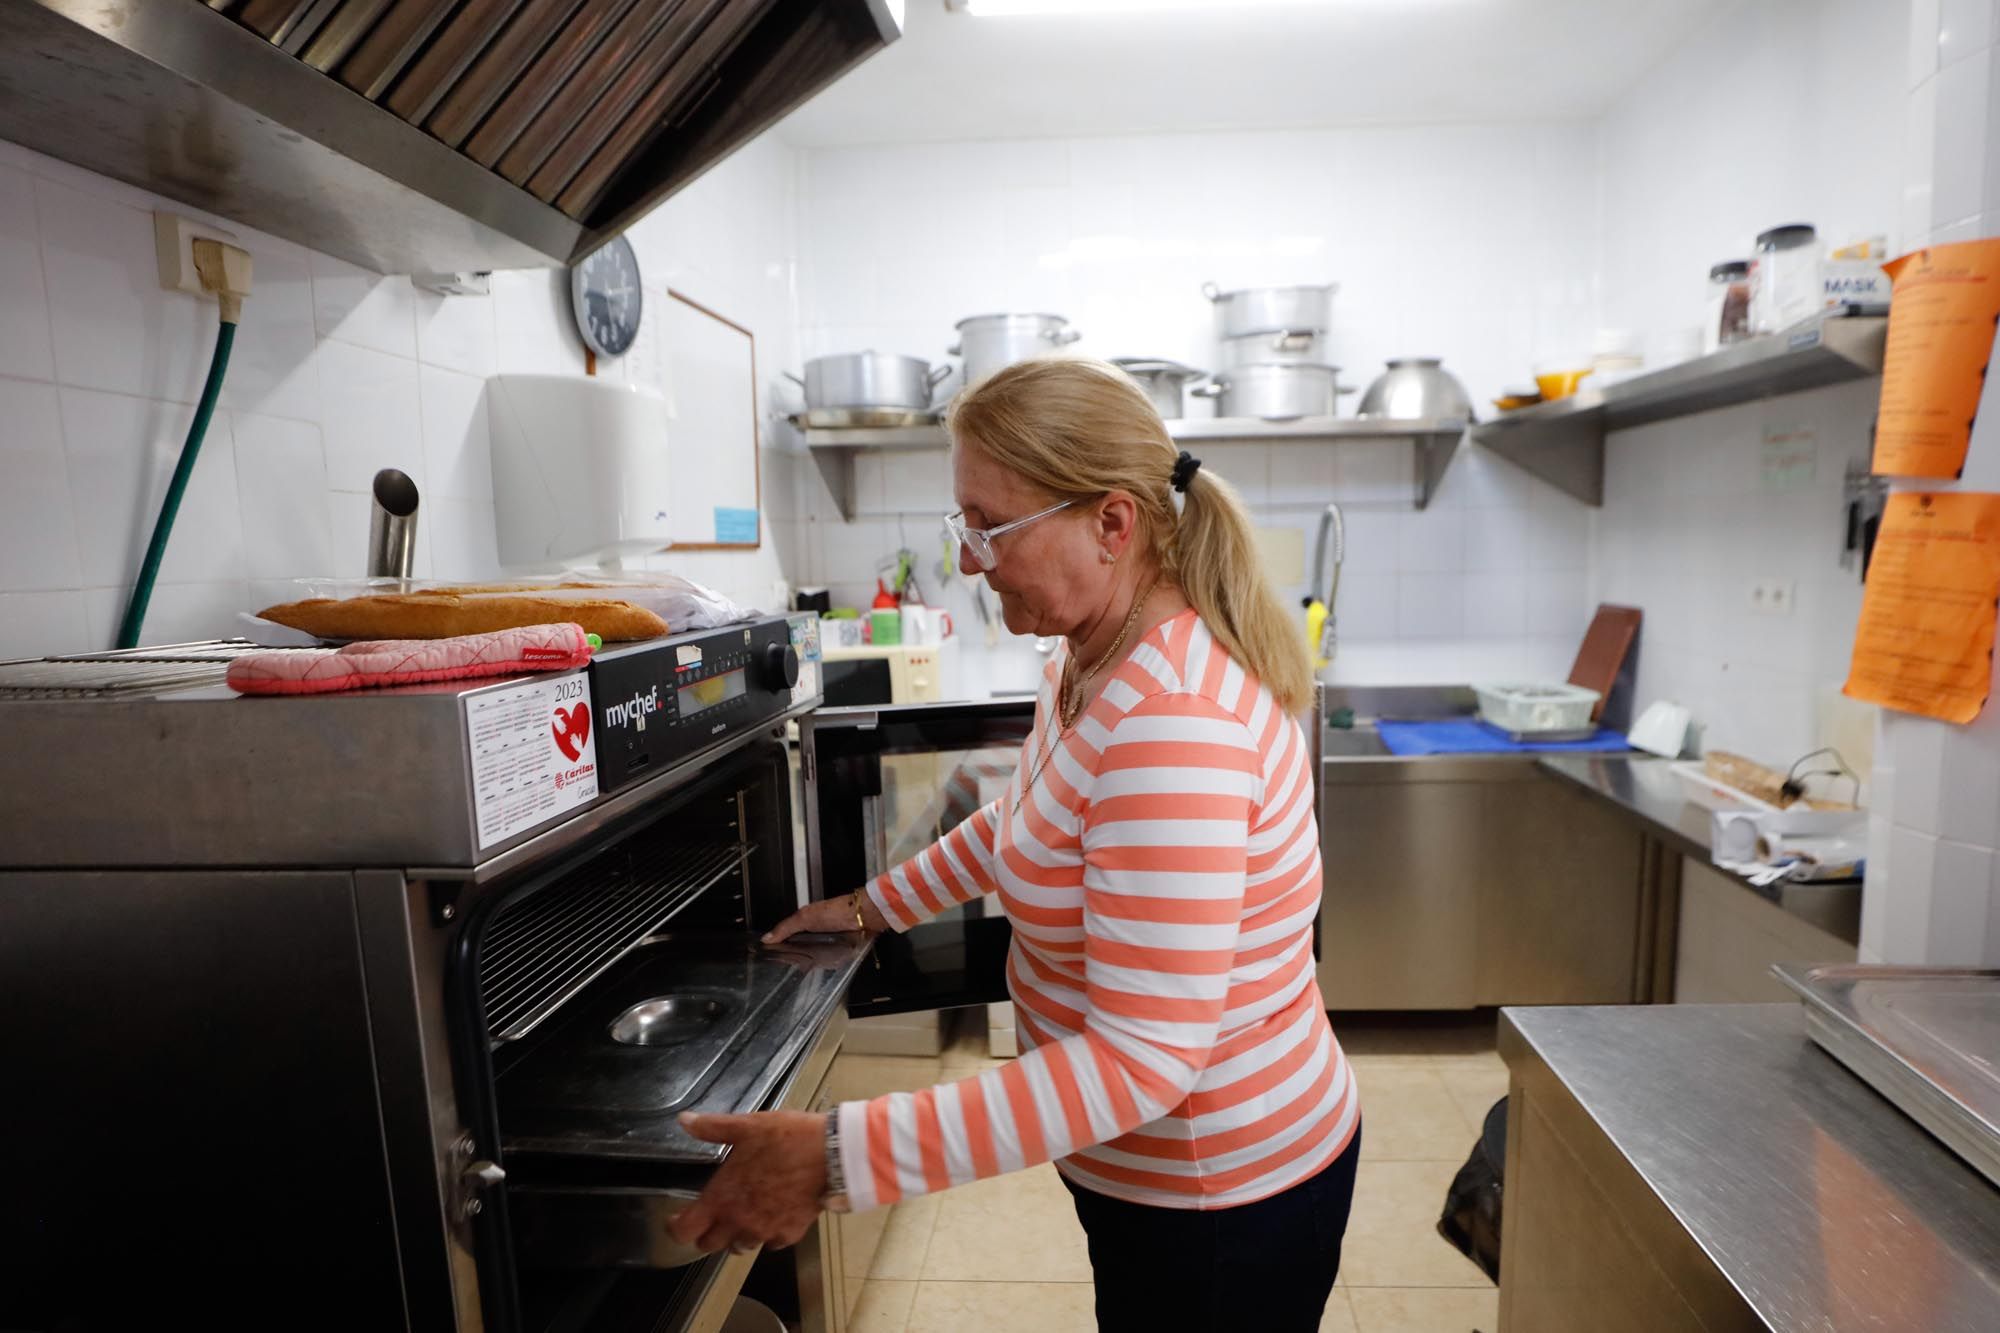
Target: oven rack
(544, 949)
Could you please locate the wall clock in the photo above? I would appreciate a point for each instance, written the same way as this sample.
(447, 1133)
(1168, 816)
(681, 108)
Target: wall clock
(605, 297)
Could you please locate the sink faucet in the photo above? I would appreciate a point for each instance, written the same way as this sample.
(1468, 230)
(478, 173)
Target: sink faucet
(1328, 553)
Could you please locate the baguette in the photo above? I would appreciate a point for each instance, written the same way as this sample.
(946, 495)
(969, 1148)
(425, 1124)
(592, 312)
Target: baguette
(431, 615)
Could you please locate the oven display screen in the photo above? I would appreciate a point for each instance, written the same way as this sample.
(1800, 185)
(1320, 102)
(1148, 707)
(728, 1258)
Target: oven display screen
(708, 693)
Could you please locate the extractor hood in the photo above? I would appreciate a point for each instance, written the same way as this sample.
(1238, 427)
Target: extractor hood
(420, 135)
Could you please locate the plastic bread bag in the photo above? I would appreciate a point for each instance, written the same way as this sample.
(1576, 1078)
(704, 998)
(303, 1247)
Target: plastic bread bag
(681, 602)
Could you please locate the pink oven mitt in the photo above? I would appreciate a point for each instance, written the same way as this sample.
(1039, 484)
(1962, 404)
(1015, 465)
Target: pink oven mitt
(411, 661)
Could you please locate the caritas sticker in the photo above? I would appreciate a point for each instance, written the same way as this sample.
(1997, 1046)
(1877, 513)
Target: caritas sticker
(534, 756)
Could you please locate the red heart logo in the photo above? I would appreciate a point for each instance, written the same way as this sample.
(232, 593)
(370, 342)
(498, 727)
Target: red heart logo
(572, 729)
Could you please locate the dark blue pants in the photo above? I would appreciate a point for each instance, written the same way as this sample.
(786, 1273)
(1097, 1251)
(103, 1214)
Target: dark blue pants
(1267, 1265)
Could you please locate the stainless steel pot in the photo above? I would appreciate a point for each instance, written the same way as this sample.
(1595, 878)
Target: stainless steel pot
(994, 342)
(1285, 347)
(1274, 393)
(1162, 381)
(868, 389)
(1416, 388)
(1271, 309)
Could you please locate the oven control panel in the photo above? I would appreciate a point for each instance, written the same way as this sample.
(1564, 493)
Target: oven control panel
(660, 701)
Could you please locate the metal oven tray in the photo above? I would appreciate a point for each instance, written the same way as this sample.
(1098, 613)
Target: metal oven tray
(728, 1019)
(1928, 1039)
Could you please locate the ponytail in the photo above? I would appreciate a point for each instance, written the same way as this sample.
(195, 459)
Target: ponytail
(1081, 428)
(1213, 554)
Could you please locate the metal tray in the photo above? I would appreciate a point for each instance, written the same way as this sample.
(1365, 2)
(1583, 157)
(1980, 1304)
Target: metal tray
(1928, 1039)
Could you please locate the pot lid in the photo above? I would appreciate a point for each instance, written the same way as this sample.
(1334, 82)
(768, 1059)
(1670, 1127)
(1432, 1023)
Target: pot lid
(1215, 293)
(1155, 366)
(974, 319)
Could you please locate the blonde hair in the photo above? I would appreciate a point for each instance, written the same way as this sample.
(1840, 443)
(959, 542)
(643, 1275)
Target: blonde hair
(1078, 429)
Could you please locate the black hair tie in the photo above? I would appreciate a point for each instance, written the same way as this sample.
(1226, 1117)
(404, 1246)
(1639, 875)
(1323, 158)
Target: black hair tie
(1184, 469)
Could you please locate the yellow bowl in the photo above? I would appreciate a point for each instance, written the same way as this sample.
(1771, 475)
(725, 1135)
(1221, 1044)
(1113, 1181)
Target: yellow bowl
(1559, 383)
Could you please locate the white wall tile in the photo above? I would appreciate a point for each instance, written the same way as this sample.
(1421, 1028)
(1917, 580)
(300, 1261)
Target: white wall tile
(463, 545)
(281, 487)
(372, 417)
(1559, 538)
(458, 332)
(1430, 606)
(1558, 605)
(272, 370)
(1431, 541)
(122, 452)
(1496, 540)
(1919, 165)
(458, 455)
(24, 310)
(1966, 29)
(535, 334)
(1375, 472)
(114, 328)
(1906, 926)
(1960, 897)
(1303, 473)
(1365, 606)
(1926, 21)
(1961, 148)
(373, 310)
(190, 612)
(43, 624)
(38, 543)
(1496, 605)
(1374, 540)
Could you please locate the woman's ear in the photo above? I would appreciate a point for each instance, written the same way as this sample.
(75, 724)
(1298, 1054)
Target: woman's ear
(1117, 523)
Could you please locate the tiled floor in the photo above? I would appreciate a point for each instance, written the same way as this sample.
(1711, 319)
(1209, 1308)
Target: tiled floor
(1007, 1254)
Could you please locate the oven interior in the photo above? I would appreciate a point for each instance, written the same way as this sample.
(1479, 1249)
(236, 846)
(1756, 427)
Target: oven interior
(604, 995)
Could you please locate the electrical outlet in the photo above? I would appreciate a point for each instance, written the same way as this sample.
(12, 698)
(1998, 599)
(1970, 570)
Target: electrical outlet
(173, 242)
(1773, 596)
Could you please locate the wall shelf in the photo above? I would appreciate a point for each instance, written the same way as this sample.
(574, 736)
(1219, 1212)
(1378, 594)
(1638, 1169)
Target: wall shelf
(1562, 442)
(1435, 441)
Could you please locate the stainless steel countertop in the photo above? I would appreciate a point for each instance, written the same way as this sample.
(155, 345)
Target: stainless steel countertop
(1822, 1204)
(1646, 789)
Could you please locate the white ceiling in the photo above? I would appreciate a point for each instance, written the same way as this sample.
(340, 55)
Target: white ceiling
(1348, 62)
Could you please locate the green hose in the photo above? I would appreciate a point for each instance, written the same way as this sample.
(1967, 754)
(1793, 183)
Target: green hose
(156, 550)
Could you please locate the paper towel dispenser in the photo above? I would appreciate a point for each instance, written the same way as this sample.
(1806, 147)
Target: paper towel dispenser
(579, 469)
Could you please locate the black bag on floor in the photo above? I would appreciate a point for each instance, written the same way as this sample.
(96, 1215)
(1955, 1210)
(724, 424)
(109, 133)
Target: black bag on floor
(1471, 1220)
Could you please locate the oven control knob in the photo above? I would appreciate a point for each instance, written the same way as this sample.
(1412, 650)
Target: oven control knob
(780, 667)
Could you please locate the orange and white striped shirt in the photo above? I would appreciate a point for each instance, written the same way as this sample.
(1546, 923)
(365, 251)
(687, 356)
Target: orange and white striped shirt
(1162, 876)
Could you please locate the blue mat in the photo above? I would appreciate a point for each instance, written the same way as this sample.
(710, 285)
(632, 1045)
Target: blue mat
(1465, 735)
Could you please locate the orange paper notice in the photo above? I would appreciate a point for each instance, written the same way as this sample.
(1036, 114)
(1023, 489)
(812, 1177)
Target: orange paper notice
(1947, 298)
(1925, 641)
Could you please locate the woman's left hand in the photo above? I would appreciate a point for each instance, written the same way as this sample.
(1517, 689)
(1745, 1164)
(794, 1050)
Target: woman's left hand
(767, 1191)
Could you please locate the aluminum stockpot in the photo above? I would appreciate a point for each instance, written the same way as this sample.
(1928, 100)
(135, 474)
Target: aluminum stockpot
(1291, 347)
(1271, 309)
(1162, 380)
(868, 388)
(994, 342)
(1274, 393)
(1416, 388)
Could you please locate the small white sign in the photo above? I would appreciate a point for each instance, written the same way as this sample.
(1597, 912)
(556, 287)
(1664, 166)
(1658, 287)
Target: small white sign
(533, 754)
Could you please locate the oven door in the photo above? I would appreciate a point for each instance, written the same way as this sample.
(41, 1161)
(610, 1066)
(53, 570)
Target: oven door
(882, 784)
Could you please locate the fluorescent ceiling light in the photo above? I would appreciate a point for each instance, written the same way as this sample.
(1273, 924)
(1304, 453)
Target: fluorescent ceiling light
(1007, 8)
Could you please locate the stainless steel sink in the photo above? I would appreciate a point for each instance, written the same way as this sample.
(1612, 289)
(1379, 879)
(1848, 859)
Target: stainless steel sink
(1361, 742)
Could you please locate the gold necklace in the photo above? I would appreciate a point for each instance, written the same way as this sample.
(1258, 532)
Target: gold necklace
(1069, 695)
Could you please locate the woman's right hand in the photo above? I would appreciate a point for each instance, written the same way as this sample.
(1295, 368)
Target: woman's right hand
(830, 916)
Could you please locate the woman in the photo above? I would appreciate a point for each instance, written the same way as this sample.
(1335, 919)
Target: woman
(1159, 860)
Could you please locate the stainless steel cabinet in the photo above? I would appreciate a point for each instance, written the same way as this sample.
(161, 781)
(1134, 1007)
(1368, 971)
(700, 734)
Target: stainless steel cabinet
(1559, 902)
(1459, 881)
(1399, 915)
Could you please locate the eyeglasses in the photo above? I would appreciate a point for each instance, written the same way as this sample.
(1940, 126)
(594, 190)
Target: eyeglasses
(978, 542)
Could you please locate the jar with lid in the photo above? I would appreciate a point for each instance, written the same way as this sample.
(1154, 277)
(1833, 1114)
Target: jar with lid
(1784, 277)
(1728, 304)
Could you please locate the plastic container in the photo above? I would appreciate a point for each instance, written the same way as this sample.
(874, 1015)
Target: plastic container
(1728, 305)
(1784, 277)
(1530, 708)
